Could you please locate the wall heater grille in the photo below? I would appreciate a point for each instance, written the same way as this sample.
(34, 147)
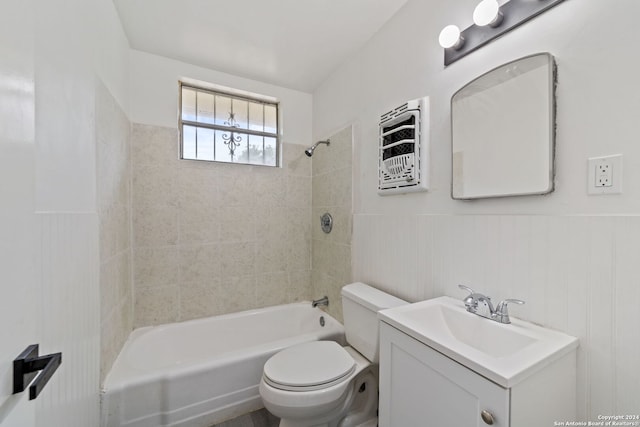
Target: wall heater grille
(403, 150)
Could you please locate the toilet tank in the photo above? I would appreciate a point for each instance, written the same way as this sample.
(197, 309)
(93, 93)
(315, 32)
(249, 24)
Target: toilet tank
(360, 306)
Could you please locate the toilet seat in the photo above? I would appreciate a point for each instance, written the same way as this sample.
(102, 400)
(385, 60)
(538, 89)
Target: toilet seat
(310, 366)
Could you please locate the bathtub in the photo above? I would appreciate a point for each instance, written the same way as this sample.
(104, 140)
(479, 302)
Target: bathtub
(202, 372)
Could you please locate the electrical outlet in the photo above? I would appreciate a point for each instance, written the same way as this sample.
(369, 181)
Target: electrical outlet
(605, 175)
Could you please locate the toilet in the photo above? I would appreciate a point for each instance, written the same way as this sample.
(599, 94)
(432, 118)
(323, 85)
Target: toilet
(321, 383)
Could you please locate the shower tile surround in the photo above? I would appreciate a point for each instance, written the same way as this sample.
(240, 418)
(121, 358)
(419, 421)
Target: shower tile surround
(331, 192)
(113, 164)
(213, 238)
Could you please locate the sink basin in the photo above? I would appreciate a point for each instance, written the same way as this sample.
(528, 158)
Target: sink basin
(489, 337)
(505, 354)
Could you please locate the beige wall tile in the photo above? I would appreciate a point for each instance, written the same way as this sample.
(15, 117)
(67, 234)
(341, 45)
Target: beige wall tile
(271, 223)
(298, 191)
(271, 256)
(154, 145)
(342, 225)
(341, 259)
(108, 233)
(199, 224)
(270, 188)
(342, 194)
(324, 284)
(237, 294)
(323, 158)
(272, 288)
(237, 259)
(155, 225)
(122, 225)
(198, 186)
(299, 286)
(198, 299)
(295, 162)
(233, 228)
(155, 267)
(155, 185)
(237, 224)
(237, 189)
(331, 192)
(199, 263)
(109, 297)
(113, 164)
(298, 256)
(155, 306)
(321, 188)
(109, 348)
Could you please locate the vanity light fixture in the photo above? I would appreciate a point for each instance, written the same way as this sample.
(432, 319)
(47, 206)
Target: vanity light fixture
(487, 12)
(450, 37)
(491, 20)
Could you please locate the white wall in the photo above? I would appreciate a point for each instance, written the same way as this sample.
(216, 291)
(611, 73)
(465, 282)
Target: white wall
(154, 94)
(111, 52)
(570, 255)
(18, 291)
(66, 48)
(592, 42)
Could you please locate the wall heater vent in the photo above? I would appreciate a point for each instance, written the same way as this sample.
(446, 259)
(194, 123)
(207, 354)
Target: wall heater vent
(404, 145)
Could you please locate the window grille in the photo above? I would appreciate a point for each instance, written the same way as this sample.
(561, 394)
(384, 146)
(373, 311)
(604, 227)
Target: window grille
(221, 127)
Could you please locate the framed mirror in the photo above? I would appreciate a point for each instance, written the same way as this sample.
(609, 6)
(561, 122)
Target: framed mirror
(503, 131)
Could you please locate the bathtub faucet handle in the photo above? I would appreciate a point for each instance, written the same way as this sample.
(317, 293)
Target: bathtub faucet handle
(322, 301)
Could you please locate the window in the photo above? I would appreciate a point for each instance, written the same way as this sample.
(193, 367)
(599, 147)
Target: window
(222, 127)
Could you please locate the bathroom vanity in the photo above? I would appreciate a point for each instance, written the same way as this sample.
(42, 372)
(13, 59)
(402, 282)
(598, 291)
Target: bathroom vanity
(443, 366)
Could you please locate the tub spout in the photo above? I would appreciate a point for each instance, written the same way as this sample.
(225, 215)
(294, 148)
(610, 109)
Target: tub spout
(322, 301)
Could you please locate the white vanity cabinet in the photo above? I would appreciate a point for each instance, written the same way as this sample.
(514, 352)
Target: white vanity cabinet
(420, 386)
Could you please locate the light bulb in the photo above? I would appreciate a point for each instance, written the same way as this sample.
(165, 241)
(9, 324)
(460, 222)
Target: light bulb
(487, 12)
(450, 37)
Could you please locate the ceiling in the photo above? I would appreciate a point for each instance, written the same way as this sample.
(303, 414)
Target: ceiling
(290, 43)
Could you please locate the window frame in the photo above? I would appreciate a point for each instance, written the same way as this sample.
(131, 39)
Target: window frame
(249, 132)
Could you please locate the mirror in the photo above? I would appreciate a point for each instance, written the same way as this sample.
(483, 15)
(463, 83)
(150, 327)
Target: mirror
(503, 129)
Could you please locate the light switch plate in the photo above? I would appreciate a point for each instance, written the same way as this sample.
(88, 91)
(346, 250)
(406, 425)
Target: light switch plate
(605, 175)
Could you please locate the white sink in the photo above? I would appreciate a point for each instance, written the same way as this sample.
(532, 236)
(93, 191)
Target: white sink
(505, 354)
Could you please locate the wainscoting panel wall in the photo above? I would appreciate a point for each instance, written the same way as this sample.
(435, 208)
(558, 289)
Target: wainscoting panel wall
(68, 276)
(576, 274)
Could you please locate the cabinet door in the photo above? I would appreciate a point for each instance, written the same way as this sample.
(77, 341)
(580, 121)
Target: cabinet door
(421, 387)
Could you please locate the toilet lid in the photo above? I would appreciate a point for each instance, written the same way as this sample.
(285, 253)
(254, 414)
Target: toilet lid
(307, 365)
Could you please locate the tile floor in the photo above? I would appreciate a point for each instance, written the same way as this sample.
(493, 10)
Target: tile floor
(261, 418)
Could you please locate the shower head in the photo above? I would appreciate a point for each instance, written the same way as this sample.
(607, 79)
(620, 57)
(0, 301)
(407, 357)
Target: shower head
(309, 151)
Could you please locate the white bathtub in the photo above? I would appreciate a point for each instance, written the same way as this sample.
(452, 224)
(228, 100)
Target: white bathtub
(201, 372)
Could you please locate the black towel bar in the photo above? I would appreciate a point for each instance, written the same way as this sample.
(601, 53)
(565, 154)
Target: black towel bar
(28, 365)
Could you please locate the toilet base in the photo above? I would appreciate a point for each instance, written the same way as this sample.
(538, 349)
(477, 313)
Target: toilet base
(362, 408)
(371, 423)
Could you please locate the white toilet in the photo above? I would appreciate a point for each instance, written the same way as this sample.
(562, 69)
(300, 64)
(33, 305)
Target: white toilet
(320, 383)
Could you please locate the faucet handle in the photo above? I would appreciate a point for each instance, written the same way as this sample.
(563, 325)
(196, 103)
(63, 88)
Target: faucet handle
(502, 311)
(466, 288)
(470, 303)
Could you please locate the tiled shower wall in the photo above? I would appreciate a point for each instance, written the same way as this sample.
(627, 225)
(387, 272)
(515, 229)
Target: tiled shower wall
(576, 274)
(331, 259)
(114, 211)
(212, 238)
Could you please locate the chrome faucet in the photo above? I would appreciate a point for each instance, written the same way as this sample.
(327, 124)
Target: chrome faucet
(322, 301)
(481, 305)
